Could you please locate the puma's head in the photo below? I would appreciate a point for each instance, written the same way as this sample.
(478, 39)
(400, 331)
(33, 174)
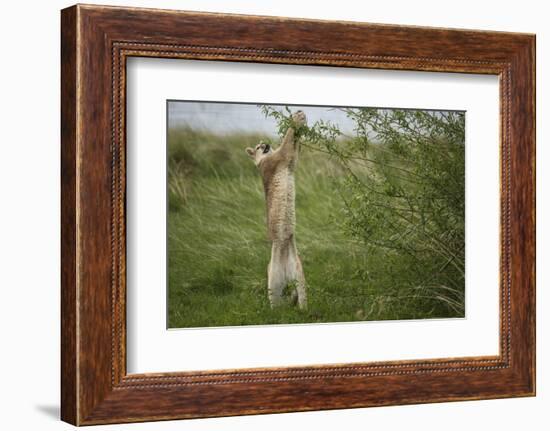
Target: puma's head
(261, 151)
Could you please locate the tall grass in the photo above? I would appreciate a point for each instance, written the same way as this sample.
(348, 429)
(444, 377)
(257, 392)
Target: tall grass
(218, 250)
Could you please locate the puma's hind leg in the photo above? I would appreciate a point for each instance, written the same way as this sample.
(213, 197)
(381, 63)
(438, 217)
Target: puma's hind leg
(301, 285)
(285, 272)
(275, 283)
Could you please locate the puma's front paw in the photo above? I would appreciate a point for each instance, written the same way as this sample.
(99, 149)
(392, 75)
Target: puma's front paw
(299, 118)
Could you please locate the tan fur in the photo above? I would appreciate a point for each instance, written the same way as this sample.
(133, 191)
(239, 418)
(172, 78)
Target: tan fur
(277, 171)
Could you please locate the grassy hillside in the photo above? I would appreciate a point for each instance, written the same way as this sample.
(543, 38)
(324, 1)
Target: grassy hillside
(218, 250)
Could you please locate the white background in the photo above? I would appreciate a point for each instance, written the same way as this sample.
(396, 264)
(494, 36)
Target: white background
(29, 216)
(151, 348)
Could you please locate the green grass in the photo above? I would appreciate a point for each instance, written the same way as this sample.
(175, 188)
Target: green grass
(218, 249)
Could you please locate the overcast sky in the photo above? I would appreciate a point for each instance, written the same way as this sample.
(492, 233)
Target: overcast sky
(230, 117)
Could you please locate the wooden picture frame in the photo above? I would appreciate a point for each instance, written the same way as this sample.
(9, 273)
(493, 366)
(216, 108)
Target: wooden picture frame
(95, 43)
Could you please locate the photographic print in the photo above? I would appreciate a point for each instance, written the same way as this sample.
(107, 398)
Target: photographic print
(285, 214)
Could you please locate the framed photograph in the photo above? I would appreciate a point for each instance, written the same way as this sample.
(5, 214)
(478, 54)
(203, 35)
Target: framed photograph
(263, 214)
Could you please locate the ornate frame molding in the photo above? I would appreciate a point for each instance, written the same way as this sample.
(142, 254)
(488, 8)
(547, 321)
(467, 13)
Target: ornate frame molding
(96, 41)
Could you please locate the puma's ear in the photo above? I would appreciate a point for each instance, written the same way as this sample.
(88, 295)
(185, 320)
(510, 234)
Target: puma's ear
(250, 152)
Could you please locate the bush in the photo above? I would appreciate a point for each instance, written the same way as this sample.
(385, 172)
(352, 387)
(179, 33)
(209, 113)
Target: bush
(403, 195)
